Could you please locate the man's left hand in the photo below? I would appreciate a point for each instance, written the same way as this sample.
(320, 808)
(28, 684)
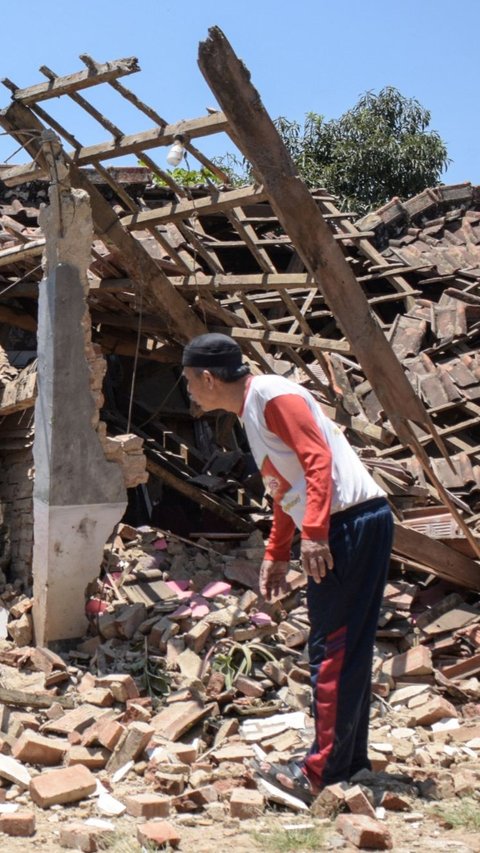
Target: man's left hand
(317, 559)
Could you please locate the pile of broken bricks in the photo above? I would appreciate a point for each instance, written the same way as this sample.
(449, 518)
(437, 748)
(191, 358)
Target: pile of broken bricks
(186, 675)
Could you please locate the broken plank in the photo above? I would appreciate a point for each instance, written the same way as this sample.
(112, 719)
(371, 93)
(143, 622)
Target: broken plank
(19, 394)
(463, 668)
(441, 560)
(198, 496)
(34, 700)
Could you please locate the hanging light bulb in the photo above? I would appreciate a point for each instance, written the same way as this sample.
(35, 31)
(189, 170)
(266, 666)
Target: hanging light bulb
(177, 152)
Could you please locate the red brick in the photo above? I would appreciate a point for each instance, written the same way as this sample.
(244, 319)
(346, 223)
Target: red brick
(364, 832)
(80, 836)
(246, 803)
(131, 745)
(147, 805)
(224, 788)
(186, 753)
(67, 785)
(37, 749)
(19, 824)
(94, 759)
(329, 801)
(109, 733)
(417, 661)
(249, 687)
(465, 782)
(236, 752)
(172, 784)
(123, 687)
(358, 803)
(196, 798)
(100, 696)
(158, 832)
(76, 720)
(436, 709)
(395, 802)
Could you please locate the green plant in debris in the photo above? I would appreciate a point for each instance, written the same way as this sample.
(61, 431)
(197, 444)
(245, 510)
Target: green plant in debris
(237, 168)
(149, 670)
(464, 815)
(238, 659)
(291, 840)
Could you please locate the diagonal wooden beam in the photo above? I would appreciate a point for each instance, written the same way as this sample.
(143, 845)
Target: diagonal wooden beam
(312, 237)
(260, 142)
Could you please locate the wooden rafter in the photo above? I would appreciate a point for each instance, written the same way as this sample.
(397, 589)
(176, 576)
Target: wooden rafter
(206, 206)
(159, 293)
(73, 82)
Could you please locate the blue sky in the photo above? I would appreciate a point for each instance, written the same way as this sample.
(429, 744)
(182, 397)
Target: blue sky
(303, 55)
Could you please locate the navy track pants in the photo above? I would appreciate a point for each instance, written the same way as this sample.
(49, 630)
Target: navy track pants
(343, 612)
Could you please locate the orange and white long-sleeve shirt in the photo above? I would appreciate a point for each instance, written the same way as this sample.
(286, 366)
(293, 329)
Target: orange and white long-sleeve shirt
(307, 465)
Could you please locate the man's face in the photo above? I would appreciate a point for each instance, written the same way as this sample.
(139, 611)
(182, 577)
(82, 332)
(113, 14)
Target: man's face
(202, 388)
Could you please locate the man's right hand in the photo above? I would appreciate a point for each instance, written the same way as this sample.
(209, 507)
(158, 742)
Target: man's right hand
(272, 578)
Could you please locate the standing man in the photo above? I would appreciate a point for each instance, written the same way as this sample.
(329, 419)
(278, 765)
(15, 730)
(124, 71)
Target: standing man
(320, 486)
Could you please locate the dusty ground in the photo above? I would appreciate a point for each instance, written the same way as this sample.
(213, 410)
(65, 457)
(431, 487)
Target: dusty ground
(274, 831)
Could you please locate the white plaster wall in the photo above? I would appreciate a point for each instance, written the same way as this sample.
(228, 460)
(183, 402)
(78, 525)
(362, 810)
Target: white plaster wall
(69, 543)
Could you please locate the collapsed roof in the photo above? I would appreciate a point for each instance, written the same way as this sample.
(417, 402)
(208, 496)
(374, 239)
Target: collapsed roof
(170, 261)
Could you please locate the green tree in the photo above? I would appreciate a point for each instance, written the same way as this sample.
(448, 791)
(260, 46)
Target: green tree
(380, 148)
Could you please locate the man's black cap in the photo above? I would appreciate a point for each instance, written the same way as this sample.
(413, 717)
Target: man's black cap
(212, 350)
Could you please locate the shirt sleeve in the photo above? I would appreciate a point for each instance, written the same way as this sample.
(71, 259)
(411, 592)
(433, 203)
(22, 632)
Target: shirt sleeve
(281, 535)
(289, 417)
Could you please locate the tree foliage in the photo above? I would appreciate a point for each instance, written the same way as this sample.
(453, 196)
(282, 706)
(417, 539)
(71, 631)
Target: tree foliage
(380, 148)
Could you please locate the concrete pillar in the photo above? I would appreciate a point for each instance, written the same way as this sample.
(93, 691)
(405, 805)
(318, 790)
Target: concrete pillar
(78, 495)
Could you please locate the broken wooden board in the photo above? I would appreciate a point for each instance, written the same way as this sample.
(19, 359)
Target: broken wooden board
(436, 557)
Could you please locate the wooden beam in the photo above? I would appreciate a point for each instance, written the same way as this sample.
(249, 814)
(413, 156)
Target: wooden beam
(17, 318)
(441, 560)
(300, 217)
(19, 393)
(74, 82)
(369, 251)
(206, 205)
(229, 283)
(284, 339)
(197, 495)
(157, 136)
(123, 345)
(129, 144)
(15, 254)
(158, 293)
(27, 698)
